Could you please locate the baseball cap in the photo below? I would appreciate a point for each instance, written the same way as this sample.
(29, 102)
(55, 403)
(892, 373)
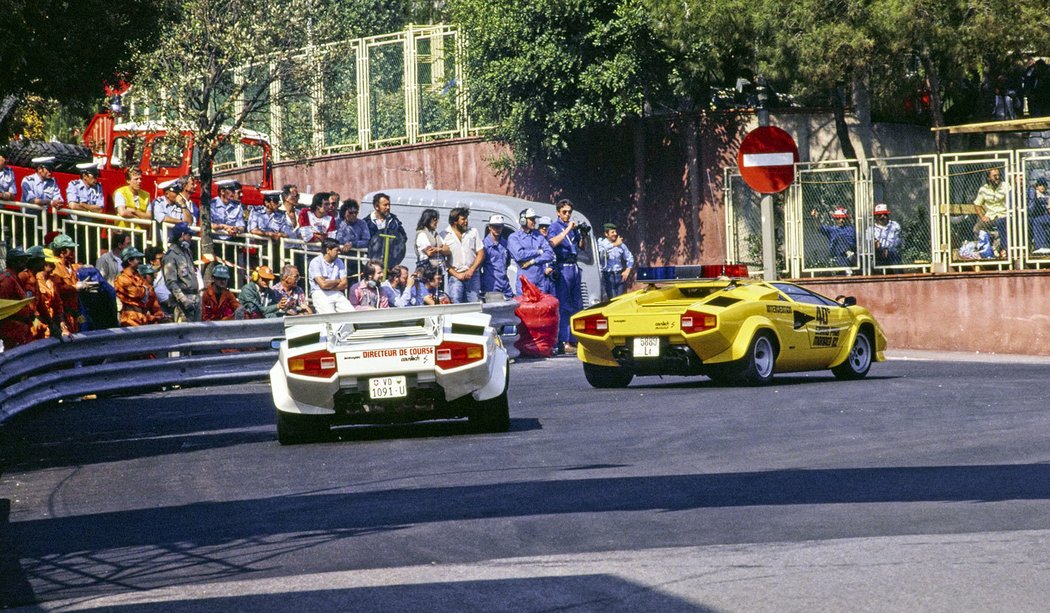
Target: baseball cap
(528, 213)
(265, 272)
(179, 229)
(882, 209)
(62, 240)
(147, 269)
(840, 213)
(130, 253)
(543, 221)
(221, 272)
(497, 220)
(609, 226)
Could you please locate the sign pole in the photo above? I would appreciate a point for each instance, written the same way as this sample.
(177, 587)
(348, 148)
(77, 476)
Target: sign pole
(769, 257)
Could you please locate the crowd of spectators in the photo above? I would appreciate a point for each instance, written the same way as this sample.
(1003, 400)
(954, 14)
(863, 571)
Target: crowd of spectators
(454, 262)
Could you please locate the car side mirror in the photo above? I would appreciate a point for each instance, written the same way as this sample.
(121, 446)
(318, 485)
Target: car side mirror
(847, 301)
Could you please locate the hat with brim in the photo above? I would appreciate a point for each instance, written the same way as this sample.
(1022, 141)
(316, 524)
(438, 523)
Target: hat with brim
(36, 253)
(62, 241)
(497, 220)
(147, 269)
(609, 226)
(221, 272)
(264, 272)
(88, 168)
(839, 213)
(882, 209)
(272, 195)
(543, 221)
(131, 253)
(47, 161)
(171, 186)
(179, 229)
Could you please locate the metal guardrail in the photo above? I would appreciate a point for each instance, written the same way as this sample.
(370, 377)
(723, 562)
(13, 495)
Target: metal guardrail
(148, 358)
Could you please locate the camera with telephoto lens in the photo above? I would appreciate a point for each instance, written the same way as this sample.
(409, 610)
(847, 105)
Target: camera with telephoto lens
(583, 227)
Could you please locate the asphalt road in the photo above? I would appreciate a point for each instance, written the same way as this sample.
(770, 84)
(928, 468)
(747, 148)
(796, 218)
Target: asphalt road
(924, 487)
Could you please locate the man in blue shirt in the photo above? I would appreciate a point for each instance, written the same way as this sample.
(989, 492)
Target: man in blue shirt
(497, 259)
(566, 240)
(352, 232)
(168, 208)
(842, 238)
(268, 220)
(615, 260)
(227, 214)
(533, 254)
(85, 193)
(40, 188)
(8, 189)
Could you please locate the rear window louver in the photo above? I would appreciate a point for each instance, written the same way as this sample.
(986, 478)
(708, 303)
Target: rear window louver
(722, 301)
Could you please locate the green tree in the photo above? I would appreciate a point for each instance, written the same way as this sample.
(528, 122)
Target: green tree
(216, 70)
(550, 68)
(55, 49)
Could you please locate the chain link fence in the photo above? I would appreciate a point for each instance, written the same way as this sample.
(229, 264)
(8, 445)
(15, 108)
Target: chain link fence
(394, 89)
(939, 213)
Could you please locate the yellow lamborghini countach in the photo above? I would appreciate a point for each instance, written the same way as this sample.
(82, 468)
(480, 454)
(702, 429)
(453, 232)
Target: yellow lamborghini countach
(713, 321)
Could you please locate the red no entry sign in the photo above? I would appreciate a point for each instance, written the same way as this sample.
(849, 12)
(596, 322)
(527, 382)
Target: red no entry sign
(767, 159)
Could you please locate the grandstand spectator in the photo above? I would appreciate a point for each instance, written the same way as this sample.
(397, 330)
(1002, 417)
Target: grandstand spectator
(139, 306)
(218, 303)
(31, 284)
(365, 294)
(398, 286)
(227, 214)
(190, 185)
(268, 220)
(1039, 216)
(40, 188)
(55, 310)
(85, 193)
(885, 235)
(352, 232)
(315, 224)
(131, 201)
(8, 188)
(327, 278)
(168, 208)
(289, 291)
(388, 238)
(991, 200)
(154, 257)
(257, 299)
(16, 330)
(180, 275)
(66, 282)
(842, 237)
(466, 253)
(109, 263)
(290, 200)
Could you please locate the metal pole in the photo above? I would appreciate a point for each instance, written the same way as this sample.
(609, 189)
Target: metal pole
(769, 258)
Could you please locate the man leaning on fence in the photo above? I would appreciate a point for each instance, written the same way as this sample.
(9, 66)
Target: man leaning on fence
(991, 200)
(85, 193)
(40, 188)
(180, 275)
(8, 188)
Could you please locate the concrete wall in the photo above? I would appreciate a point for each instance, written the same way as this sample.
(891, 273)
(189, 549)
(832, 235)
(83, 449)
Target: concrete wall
(1005, 312)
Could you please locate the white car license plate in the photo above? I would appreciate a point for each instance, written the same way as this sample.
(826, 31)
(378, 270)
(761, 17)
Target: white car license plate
(647, 347)
(381, 388)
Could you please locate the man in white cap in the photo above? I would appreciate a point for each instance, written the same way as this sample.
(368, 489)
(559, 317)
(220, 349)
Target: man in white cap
(40, 188)
(227, 214)
(85, 193)
(532, 252)
(886, 235)
(167, 208)
(497, 259)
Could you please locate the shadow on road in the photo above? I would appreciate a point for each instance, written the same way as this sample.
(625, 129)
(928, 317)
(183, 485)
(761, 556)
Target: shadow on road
(138, 548)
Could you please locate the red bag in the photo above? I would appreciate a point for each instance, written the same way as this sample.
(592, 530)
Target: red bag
(538, 312)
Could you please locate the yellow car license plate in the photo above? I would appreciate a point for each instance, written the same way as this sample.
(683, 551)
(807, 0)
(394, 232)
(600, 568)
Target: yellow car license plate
(647, 347)
(381, 388)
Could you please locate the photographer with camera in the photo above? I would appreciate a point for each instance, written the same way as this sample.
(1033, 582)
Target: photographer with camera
(567, 238)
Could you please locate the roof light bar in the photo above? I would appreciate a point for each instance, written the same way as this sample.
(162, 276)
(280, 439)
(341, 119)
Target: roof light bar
(654, 274)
